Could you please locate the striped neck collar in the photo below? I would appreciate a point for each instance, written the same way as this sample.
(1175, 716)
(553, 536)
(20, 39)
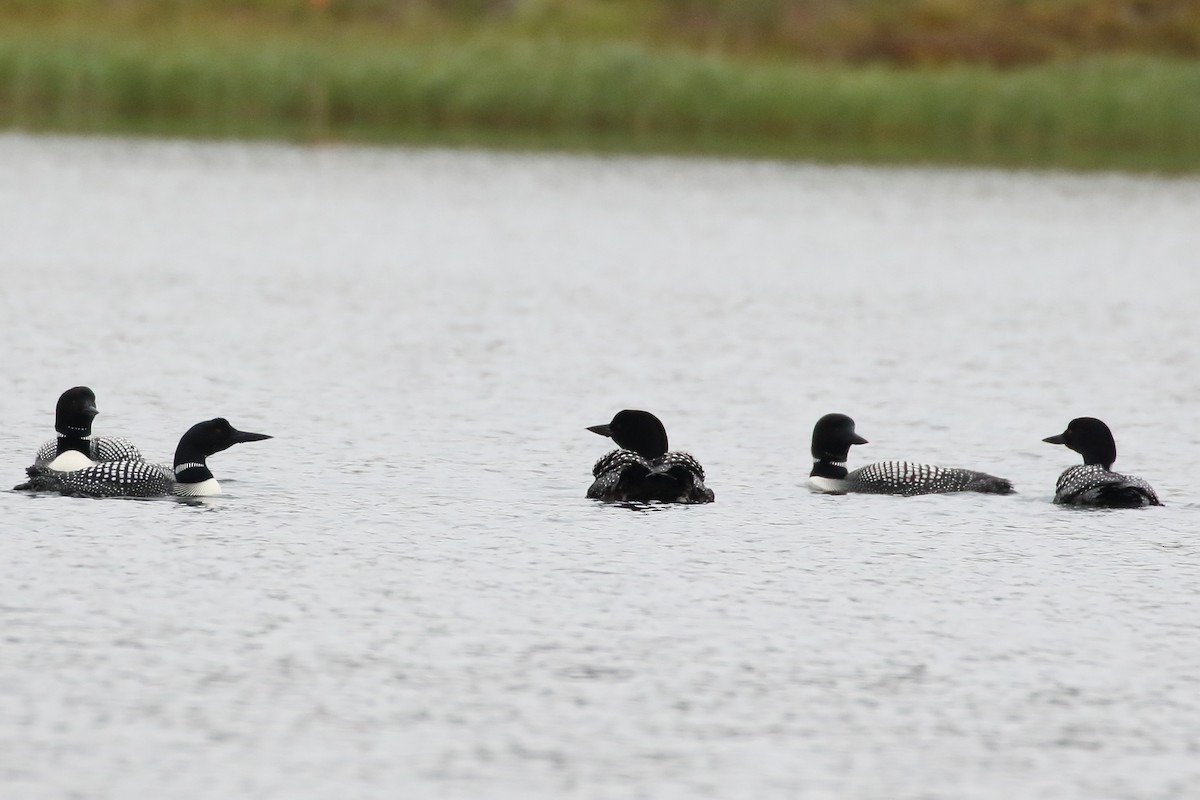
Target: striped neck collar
(828, 469)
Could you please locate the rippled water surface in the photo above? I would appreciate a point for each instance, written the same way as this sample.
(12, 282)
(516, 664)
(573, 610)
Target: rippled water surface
(404, 594)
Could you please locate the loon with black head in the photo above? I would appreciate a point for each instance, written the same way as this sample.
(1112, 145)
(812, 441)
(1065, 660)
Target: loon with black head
(644, 469)
(1093, 483)
(74, 447)
(831, 440)
(189, 477)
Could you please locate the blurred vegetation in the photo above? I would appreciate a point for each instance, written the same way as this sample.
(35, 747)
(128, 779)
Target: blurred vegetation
(906, 32)
(1106, 83)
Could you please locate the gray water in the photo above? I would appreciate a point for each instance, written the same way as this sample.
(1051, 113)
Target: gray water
(404, 594)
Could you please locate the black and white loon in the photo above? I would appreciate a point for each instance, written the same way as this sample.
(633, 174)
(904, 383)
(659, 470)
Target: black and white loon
(1093, 483)
(75, 447)
(189, 477)
(643, 469)
(831, 440)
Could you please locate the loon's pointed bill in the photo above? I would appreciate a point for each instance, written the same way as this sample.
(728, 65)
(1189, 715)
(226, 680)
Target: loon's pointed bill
(1059, 438)
(603, 430)
(246, 436)
(89, 408)
(856, 439)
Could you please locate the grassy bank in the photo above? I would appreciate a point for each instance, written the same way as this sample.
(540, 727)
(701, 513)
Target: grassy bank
(903, 32)
(539, 90)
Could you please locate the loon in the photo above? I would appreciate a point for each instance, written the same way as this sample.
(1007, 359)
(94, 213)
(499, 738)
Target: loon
(189, 477)
(75, 447)
(834, 434)
(643, 470)
(1093, 483)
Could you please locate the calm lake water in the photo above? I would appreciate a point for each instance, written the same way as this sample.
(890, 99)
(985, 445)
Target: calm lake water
(405, 594)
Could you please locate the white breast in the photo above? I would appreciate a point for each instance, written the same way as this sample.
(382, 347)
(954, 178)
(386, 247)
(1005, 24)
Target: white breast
(71, 461)
(206, 488)
(826, 485)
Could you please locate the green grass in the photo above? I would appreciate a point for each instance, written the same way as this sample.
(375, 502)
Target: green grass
(1136, 113)
(905, 32)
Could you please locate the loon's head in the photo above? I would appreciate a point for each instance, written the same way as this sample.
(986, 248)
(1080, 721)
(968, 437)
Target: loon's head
(639, 431)
(832, 436)
(75, 411)
(212, 436)
(1089, 437)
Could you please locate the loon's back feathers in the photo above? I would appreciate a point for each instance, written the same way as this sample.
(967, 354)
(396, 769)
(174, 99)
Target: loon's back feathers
(677, 460)
(106, 479)
(99, 448)
(905, 478)
(1093, 483)
(625, 476)
(833, 436)
(643, 469)
(618, 460)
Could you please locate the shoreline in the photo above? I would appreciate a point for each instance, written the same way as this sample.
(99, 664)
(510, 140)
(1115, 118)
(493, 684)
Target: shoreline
(1125, 113)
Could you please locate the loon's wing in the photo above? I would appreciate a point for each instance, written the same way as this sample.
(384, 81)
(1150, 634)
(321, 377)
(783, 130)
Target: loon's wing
(114, 448)
(1093, 485)
(680, 463)
(908, 479)
(611, 460)
(46, 453)
(687, 476)
(1126, 495)
(1143, 489)
(625, 476)
(615, 474)
(104, 448)
(106, 479)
